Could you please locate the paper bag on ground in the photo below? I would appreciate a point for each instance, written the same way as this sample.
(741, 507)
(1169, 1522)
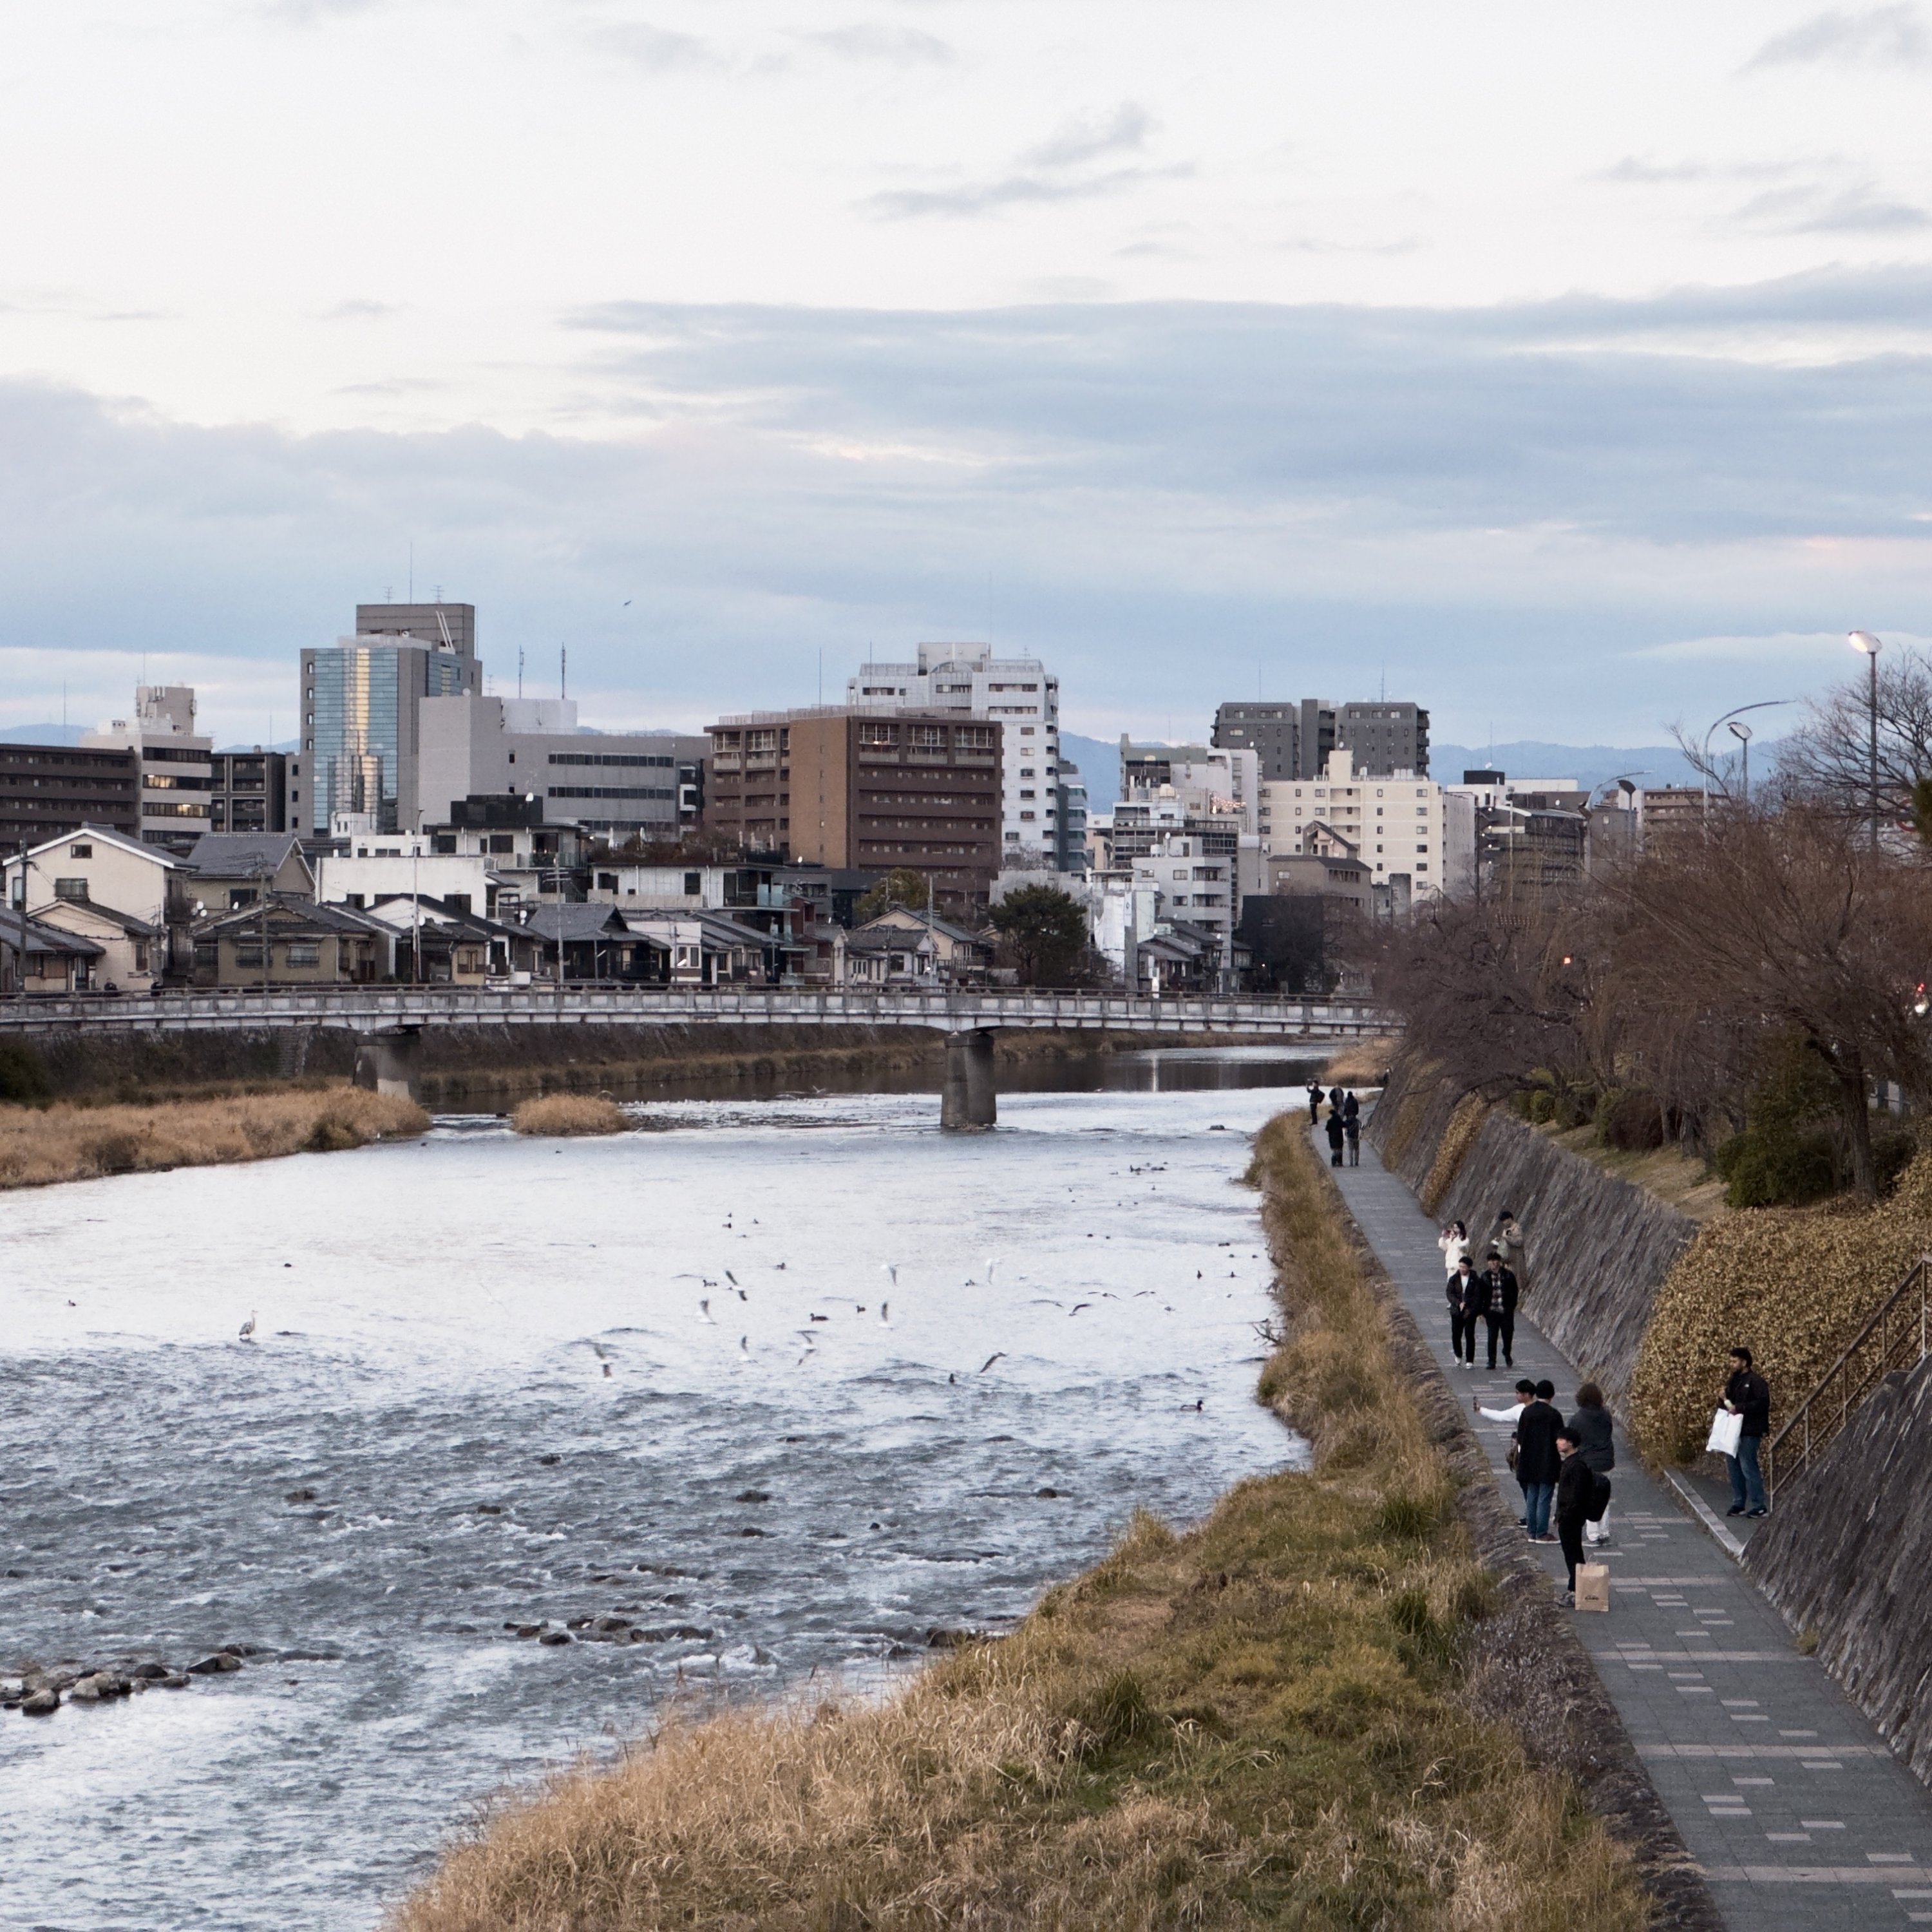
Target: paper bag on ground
(1593, 1586)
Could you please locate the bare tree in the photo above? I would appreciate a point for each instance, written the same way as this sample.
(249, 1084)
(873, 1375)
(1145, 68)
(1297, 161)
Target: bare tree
(1827, 759)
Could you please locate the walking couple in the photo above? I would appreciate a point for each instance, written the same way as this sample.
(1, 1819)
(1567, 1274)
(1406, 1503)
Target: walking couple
(1563, 1467)
(1344, 1124)
(1490, 1296)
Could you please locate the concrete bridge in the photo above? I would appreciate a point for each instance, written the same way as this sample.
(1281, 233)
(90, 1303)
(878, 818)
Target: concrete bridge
(389, 1022)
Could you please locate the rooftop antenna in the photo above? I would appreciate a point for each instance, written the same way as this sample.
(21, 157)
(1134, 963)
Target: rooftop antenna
(520, 670)
(412, 570)
(562, 672)
(435, 592)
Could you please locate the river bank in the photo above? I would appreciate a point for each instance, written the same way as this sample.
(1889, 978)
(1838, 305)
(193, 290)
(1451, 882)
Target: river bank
(40, 1146)
(1266, 1718)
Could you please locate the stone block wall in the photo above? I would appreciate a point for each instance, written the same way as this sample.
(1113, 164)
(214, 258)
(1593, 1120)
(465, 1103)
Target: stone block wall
(1846, 1552)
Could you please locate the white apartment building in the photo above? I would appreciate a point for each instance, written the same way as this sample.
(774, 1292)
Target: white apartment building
(177, 764)
(1024, 697)
(1190, 881)
(1395, 823)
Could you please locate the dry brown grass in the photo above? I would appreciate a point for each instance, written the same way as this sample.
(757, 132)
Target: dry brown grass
(1257, 1723)
(1464, 1124)
(1361, 1063)
(1793, 1285)
(569, 1113)
(63, 1142)
(1683, 1181)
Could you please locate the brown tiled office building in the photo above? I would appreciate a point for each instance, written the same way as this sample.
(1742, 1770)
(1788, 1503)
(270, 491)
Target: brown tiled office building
(859, 790)
(46, 790)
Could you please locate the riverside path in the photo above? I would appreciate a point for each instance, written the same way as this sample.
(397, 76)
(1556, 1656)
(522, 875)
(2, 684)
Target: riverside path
(1798, 1813)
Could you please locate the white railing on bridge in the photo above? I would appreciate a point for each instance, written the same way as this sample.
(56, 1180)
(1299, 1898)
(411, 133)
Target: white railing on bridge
(368, 1009)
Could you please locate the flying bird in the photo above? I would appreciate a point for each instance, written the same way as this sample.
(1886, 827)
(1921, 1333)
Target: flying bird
(991, 1360)
(891, 1268)
(1077, 1306)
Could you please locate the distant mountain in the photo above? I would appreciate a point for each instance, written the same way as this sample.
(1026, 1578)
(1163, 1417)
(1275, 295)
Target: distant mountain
(1100, 763)
(42, 734)
(1589, 765)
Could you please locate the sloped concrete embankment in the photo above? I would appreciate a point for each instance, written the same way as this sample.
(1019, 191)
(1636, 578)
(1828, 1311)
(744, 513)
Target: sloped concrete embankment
(1846, 1553)
(1599, 1247)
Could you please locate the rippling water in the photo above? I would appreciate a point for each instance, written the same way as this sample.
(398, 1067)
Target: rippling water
(435, 1324)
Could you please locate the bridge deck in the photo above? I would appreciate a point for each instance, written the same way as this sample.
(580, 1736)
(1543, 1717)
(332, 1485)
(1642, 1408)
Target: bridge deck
(367, 1009)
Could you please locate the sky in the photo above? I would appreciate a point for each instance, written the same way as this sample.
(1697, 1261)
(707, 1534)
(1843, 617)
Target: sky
(1567, 370)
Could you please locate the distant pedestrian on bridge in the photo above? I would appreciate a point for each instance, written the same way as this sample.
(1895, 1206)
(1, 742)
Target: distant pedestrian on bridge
(1335, 1135)
(1747, 1394)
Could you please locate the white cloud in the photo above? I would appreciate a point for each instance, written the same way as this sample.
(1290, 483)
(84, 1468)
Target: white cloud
(1881, 36)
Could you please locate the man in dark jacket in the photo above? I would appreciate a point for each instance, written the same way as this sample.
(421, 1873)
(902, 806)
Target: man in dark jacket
(1314, 1102)
(1335, 1132)
(1537, 1464)
(1576, 1488)
(1460, 1289)
(1747, 1394)
(1352, 1126)
(1495, 1302)
(1351, 1106)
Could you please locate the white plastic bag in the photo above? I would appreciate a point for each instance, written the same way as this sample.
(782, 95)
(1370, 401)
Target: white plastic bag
(1726, 1428)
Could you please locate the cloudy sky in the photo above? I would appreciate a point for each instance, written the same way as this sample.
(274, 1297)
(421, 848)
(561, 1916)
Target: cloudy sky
(1567, 368)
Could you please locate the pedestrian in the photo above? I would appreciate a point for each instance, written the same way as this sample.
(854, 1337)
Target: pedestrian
(1747, 1394)
(1351, 1106)
(1334, 1099)
(1590, 1426)
(1526, 1394)
(1460, 1291)
(1314, 1102)
(1454, 1242)
(1509, 1244)
(1576, 1488)
(1497, 1293)
(1335, 1132)
(1537, 1464)
(1352, 1126)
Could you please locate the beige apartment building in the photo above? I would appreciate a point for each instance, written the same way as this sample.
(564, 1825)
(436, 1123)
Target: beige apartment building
(1393, 822)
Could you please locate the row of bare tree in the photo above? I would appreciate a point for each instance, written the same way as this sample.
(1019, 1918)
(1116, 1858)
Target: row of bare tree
(1679, 975)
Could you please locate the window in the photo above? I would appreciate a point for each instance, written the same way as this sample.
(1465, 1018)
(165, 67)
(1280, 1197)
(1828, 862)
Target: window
(503, 841)
(80, 851)
(1026, 731)
(70, 889)
(239, 896)
(460, 902)
(607, 882)
(353, 899)
(1025, 794)
(1027, 772)
(694, 884)
(927, 737)
(305, 952)
(250, 955)
(513, 758)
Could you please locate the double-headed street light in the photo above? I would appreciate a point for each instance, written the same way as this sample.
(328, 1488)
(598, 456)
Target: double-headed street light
(1763, 704)
(1864, 640)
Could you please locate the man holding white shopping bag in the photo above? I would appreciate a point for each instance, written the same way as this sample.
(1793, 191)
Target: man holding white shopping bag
(1738, 1428)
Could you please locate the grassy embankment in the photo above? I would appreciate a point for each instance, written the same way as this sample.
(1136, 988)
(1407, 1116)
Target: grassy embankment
(1794, 1285)
(1263, 1721)
(557, 1113)
(39, 1145)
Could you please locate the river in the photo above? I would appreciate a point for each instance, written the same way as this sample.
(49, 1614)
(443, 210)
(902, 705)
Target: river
(667, 1378)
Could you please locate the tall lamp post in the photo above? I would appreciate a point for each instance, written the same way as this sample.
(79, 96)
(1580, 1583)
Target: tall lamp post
(1742, 732)
(1864, 640)
(1763, 704)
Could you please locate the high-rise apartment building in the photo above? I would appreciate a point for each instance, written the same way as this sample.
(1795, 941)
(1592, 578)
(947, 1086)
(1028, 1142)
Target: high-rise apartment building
(1017, 693)
(248, 791)
(1294, 740)
(858, 790)
(360, 710)
(176, 762)
(47, 790)
(1393, 823)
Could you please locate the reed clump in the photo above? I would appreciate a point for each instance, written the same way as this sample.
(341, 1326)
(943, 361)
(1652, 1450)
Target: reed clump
(553, 1113)
(1259, 1721)
(1363, 1063)
(1793, 1285)
(39, 1145)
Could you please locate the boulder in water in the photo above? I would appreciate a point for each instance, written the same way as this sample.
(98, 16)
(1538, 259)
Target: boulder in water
(215, 1663)
(556, 1637)
(40, 1703)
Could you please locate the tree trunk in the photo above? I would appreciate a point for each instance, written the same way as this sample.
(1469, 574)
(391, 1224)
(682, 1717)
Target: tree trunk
(1856, 1102)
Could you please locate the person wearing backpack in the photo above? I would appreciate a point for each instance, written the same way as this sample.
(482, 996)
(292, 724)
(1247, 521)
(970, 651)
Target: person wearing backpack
(1590, 1426)
(1538, 1463)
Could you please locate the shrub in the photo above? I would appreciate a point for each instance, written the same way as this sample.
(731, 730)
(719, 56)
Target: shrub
(22, 1078)
(569, 1113)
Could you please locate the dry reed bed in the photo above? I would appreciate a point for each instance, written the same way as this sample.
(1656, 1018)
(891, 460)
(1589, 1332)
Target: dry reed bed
(63, 1142)
(1361, 1063)
(1261, 1721)
(1793, 1285)
(553, 1113)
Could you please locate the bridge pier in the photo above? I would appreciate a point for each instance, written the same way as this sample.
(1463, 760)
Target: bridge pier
(969, 1104)
(388, 1062)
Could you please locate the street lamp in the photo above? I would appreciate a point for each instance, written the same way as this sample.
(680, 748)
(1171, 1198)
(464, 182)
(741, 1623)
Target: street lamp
(1763, 704)
(1864, 640)
(1742, 732)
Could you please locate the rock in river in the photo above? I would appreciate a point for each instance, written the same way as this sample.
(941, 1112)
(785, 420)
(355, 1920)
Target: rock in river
(40, 1703)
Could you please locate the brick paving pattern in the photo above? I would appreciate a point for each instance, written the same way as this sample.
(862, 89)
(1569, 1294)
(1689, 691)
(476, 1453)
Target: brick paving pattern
(1800, 1815)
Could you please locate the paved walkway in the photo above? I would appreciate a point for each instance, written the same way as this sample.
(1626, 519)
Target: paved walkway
(1798, 1813)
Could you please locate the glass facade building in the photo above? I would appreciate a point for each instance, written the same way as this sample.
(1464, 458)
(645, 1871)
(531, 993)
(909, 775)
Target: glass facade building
(361, 703)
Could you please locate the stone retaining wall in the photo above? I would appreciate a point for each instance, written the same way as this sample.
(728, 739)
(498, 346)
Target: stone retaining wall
(1599, 1247)
(1846, 1552)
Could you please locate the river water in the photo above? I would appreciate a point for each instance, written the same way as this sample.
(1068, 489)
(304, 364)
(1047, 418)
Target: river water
(501, 1381)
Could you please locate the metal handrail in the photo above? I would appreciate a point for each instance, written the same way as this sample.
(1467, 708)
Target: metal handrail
(1898, 1336)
